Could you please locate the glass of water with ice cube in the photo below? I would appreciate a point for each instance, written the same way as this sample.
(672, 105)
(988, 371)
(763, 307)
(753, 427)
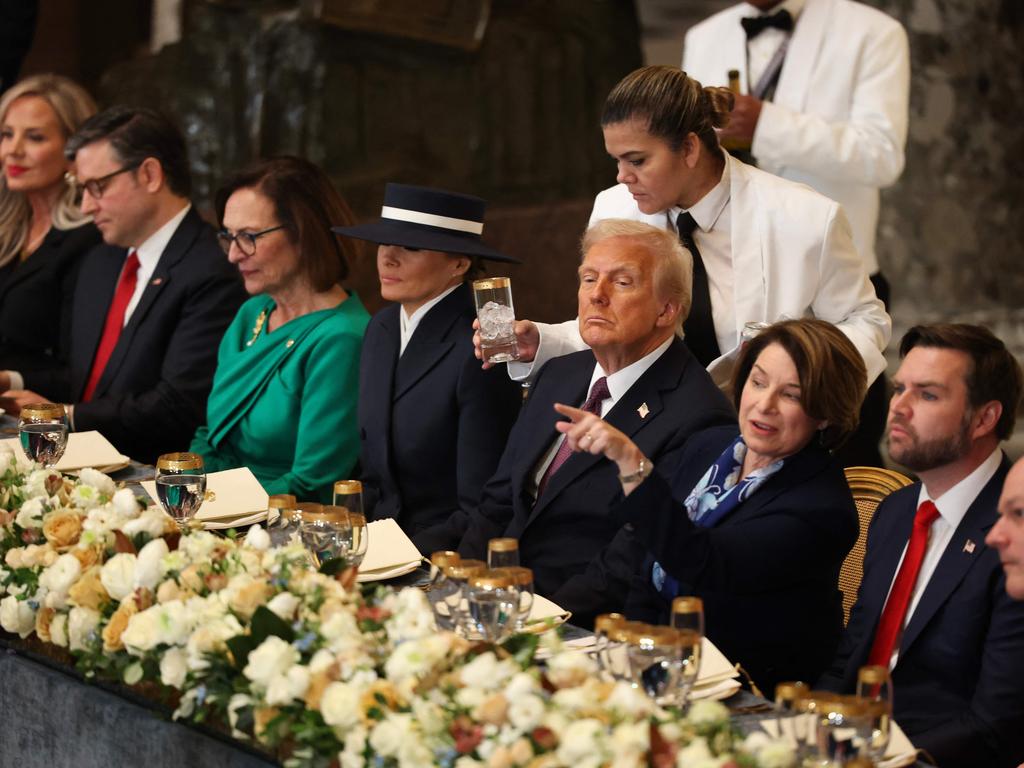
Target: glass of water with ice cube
(493, 297)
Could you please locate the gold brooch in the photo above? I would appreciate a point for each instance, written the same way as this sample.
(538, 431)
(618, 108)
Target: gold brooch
(260, 320)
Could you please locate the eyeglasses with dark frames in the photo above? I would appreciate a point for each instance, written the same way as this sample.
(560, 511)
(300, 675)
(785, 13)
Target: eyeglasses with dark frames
(96, 187)
(246, 241)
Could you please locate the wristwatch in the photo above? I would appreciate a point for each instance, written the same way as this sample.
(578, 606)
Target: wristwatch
(642, 472)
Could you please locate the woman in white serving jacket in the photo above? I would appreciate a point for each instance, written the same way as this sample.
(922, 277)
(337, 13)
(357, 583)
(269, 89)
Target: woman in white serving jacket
(772, 249)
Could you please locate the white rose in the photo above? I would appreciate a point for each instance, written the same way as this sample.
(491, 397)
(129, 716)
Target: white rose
(142, 633)
(694, 753)
(59, 578)
(629, 701)
(470, 698)
(101, 520)
(414, 659)
(17, 616)
(770, 753)
(273, 657)
(31, 514)
(485, 671)
(198, 546)
(97, 480)
(525, 712)
(173, 667)
(35, 482)
(521, 684)
(355, 745)
(573, 699)
(148, 566)
(15, 557)
(339, 627)
(59, 630)
(707, 712)
(82, 625)
(175, 621)
(414, 753)
(581, 744)
(630, 742)
(412, 617)
(257, 538)
(150, 522)
(125, 503)
(387, 737)
(429, 716)
(284, 604)
(340, 708)
(321, 660)
(118, 575)
(283, 689)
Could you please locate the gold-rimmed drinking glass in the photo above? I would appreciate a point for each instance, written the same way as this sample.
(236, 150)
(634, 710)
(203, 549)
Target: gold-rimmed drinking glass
(874, 688)
(326, 531)
(494, 310)
(349, 494)
(603, 625)
(456, 601)
(809, 708)
(493, 604)
(440, 587)
(285, 506)
(786, 695)
(43, 430)
(839, 729)
(503, 553)
(360, 538)
(653, 653)
(688, 613)
(181, 485)
(523, 579)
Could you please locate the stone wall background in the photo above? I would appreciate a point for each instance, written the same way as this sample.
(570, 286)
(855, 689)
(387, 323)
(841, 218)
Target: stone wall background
(951, 234)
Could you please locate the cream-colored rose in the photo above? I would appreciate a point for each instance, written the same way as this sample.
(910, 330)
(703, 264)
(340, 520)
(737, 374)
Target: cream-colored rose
(286, 688)
(570, 668)
(271, 658)
(15, 558)
(117, 625)
(150, 522)
(630, 743)
(695, 753)
(88, 591)
(582, 744)
(31, 513)
(62, 529)
(487, 673)
(284, 604)
(125, 503)
(97, 480)
(82, 625)
(148, 568)
(629, 701)
(59, 630)
(257, 538)
(386, 739)
(340, 707)
(118, 575)
(246, 594)
(59, 578)
(355, 745)
(169, 590)
(17, 616)
(173, 667)
(521, 751)
(38, 554)
(707, 712)
(525, 712)
(191, 578)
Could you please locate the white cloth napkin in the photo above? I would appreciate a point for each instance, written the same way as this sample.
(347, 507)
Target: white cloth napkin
(84, 449)
(238, 495)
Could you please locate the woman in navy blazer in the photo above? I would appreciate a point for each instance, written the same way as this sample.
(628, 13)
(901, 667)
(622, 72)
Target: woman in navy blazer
(757, 521)
(433, 425)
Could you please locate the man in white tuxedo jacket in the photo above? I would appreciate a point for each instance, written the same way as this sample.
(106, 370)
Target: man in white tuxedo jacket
(792, 256)
(837, 120)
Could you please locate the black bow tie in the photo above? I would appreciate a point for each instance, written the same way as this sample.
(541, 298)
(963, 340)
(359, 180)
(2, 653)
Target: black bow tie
(755, 25)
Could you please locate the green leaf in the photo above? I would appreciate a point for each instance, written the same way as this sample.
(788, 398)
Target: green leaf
(334, 566)
(523, 647)
(266, 623)
(241, 646)
(133, 673)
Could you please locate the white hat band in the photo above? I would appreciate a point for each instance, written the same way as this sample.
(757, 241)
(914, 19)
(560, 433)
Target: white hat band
(432, 220)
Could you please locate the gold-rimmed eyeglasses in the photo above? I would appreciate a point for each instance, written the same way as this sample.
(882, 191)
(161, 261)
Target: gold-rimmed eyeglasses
(96, 187)
(246, 241)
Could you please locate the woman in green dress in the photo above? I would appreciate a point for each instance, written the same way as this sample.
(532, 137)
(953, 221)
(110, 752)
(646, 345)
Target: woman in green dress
(284, 396)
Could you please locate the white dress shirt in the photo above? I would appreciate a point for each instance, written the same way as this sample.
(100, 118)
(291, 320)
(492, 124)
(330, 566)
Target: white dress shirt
(149, 254)
(952, 506)
(713, 237)
(761, 49)
(409, 323)
(619, 384)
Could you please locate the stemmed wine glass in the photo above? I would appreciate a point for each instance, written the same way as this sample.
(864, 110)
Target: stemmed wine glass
(688, 618)
(325, 531)
(181, 485)
(43, 428)
(523, 579)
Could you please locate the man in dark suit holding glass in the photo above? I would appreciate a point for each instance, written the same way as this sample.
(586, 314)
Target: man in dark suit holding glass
(634, 293)
(932, 606)
(151, 303)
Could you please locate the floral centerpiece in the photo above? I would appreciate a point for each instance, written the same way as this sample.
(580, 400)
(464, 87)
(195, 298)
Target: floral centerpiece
(251, 637)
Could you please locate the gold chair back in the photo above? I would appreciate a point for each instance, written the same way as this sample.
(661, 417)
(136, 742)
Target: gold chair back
(869, 486)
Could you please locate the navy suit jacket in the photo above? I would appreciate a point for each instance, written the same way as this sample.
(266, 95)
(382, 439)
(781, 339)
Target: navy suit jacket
(571, 523)
(433, 424)
(152, 394)
(767, 572)
(958, 683)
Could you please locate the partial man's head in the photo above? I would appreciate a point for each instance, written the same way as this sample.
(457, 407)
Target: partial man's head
(955, 395)
(132, 166)
(1007, 535)
(634, 292)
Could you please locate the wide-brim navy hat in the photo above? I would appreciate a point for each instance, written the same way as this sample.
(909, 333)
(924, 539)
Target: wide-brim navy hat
(432, 219)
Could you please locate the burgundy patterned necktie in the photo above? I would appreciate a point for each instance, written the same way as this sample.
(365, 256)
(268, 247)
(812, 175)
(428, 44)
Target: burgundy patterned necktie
(598, 394)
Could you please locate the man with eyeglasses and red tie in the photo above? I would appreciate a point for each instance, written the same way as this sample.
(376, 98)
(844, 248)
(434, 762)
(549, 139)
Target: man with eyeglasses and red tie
(151, 303)
(932, 606)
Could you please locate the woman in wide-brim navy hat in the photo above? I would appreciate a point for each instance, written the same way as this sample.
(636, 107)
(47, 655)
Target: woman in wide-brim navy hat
(433, 424)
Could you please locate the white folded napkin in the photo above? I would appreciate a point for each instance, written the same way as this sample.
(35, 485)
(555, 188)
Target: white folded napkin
(388, 549)
(900, 752)
(84, 449)
(238, 495)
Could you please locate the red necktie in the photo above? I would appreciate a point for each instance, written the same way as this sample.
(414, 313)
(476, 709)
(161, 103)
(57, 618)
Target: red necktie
(903, 587)
(598, 394)
(114, 323)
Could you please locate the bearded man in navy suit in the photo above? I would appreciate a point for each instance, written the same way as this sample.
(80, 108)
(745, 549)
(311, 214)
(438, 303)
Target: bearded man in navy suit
(634, 293)
(933, 606)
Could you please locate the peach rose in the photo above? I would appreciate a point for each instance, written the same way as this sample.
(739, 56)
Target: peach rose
(89, 556)
(261, 717)
(250, 596)
(191, 578)
(117, 625)
(62, 529)
(88, 591)
(493, 710)
(43, 620)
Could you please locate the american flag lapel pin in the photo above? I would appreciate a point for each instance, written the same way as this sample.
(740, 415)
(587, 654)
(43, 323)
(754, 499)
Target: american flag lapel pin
(969, 547)
(643, 410)
(156, 281)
